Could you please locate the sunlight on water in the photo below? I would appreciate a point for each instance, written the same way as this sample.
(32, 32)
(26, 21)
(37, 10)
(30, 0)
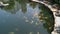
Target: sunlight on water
(46, 17)
(11, 32)
(23, 17)
(31, 33)
(38, 33)
(27, 20)
(36, 23)
(32, 21)
(35, 14)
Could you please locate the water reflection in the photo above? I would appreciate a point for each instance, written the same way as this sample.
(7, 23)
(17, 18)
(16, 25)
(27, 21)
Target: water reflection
(47, 16)
(38, 33)
(33, 4)
(31, 33)
(22, 17)
(11, 32)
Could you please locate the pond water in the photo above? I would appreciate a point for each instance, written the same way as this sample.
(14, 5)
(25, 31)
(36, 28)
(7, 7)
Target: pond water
(23, 17)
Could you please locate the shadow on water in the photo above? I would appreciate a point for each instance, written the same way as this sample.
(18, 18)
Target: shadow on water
(24, 17)
(47, 16)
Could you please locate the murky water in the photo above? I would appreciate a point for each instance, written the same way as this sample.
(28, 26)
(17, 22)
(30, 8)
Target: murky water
(23, 17)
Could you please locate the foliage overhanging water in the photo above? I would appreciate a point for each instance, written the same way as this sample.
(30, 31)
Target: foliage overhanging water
(23, 17)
